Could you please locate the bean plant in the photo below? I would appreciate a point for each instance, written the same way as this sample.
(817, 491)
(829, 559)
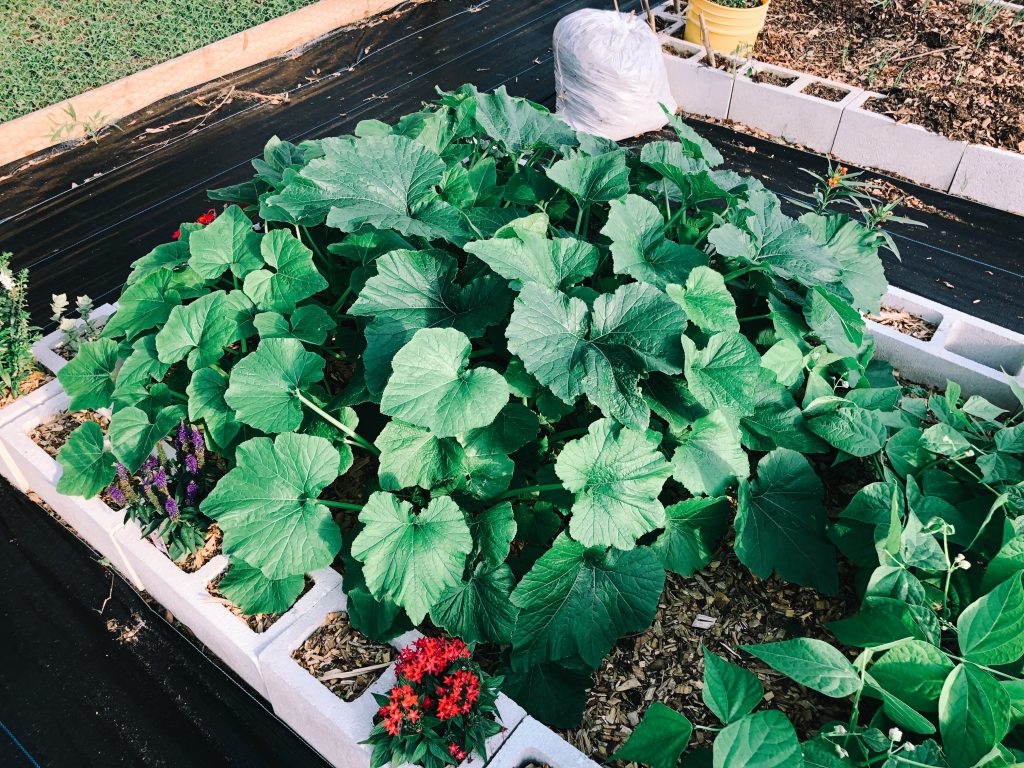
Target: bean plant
(572, 366)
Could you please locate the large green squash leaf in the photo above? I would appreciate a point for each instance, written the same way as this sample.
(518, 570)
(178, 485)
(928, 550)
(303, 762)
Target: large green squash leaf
(726, 372)
(198, 331)
(133, 435)
(227, 243)
(206, 403)
(267, 505)
(692, 529)
(87, 466)
(254, 593)
(411, 455)
(89, 377)
(579, 601)
(592, 179)
(143, 305)
(432, 387)
(478, 610)
(602, 352)
(291, 278)
(709, 457)
(518, 125)
(265, 384)
(617, 474)
(780, 523)
(855, 247)
(707, 301)
(412, 558)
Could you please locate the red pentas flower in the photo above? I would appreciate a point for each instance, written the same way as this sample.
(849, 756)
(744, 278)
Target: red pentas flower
(441, 698)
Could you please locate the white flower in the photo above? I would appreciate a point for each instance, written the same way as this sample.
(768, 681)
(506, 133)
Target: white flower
(59, 303)
(838, 730)
(68, 324)
(909, 747)
(895, 734)
(841, 752)
(7, 280)
(961, 562)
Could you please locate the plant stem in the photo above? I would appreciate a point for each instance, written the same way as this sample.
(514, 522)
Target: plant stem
(995, 672)
(566, 433)
(516, 492)
(482, 352)
(344, 295)
(737, 273)
(362, 442)
(341, 505)
(754, 317)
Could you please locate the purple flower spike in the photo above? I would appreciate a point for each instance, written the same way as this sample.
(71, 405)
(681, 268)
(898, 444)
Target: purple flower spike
(116, 494)
(190, 491)
(151, 463)
(122, 471)
(182, 435)
(160, 479)
(192, 465)
(171, 507)
(197, 440)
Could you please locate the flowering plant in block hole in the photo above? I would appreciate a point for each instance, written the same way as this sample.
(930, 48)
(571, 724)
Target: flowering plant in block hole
(440, 710)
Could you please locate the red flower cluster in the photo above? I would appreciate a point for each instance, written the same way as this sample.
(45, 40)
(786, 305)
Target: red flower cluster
(404, 705)
(458, 694)
(429, 656)
(205, 219)
(457, 752)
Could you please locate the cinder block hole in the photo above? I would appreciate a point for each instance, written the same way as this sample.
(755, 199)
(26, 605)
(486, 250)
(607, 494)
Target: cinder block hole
(771, 77)
(983, 346)
(825, 91)
(680, 51)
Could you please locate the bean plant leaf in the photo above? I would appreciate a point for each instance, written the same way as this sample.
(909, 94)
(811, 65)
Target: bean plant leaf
(418, 289)
(254, 593)
(431, 385)
(88, 379)
(206, 403)
(478, 610)
(291, 276)
(989, 629)
(133, 435)
(265, 384)
(973, 715)
(334, 188)
(87, 467)
(730, 691)
(761, 740)
(692, 529)
(411, 558)
(617, 474)
(519, 253)
(198, 331)
(229, 242)
(601, 351)
(659, 739)
(411, 456)
(592, 179)
(709, 457)
(917, 670)
(639, 247)
(576, 601)
(267, 505)
(707, 301)
(780, 523)
(810, 662)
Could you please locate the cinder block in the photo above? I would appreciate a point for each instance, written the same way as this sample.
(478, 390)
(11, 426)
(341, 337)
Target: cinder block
(532, 742)
(991, 176)
(29, 467)
(213, 623)
(877, 141)
(978, 355)
(787, 112)
(696, 87)
(332, 726)
(43, 350)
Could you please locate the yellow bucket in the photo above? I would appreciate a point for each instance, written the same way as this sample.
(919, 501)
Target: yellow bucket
(731, 30)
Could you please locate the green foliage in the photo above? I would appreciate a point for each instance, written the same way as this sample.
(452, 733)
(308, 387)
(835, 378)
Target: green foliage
(570, 358)
(16, 333)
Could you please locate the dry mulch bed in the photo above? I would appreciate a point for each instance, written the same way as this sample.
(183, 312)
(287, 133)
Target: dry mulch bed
(336, 649)
(904, 322)
(665, 663)
(954, 68)
(32, 382)
(51, 434)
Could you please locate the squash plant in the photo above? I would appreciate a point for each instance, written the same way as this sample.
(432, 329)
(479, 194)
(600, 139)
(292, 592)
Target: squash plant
(570, 359)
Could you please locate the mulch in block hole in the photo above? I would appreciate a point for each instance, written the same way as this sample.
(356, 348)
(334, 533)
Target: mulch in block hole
(341, 658)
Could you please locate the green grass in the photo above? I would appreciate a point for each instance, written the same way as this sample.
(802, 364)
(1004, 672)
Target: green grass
(51, 50)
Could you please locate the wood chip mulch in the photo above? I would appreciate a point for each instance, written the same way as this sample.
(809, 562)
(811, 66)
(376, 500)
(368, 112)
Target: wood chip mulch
(258, 622)
(722, 606)
(336, 650)
(52, 434)
(32, 382)
(904, 322)
(953, 67)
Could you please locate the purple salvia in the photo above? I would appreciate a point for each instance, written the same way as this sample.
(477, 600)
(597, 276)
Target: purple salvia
(192, 465)
(116, 494)
(160, 479)
(122, 471)
(182, 435)
(171, 506)
(190, 492)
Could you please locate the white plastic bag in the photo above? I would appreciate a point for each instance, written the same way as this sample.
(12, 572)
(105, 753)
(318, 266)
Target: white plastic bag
(609, 74)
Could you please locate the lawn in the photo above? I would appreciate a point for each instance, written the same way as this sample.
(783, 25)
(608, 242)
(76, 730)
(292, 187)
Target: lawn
(51, 51)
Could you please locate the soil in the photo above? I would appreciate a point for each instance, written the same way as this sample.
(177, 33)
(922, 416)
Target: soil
(32, 382)
(766, 76)
(52, 434)
(64, 351)
(210, 549)
(904, 322)
(336, 648)
(258, 622)
(825, 91)
(721, 607)
(954, 68)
